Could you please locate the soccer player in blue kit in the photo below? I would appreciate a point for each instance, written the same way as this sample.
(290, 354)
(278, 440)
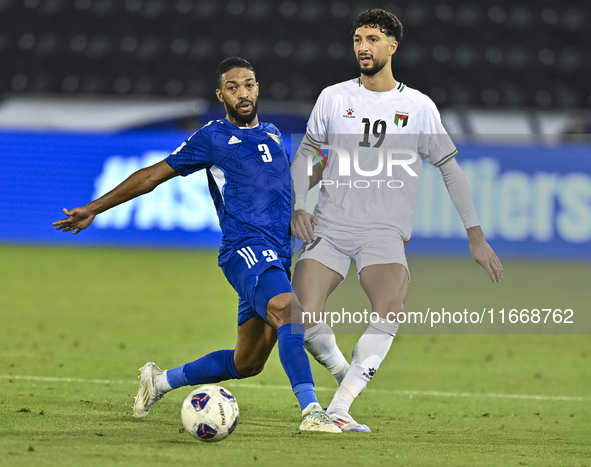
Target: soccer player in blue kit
(250, 183)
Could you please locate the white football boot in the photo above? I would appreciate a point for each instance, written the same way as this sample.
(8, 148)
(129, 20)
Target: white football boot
(147, 394)
(346, 423)
(315, 419)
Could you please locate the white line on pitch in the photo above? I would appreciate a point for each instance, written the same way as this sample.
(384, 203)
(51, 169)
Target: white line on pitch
(68, 380)
(434, 393)
(319, 388)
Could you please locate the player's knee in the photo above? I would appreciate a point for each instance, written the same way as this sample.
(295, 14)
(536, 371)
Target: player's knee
(279, 308)
(250, 368)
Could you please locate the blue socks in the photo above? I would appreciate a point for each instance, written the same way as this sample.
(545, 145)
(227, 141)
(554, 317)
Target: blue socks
(219, 366)
(292, 353)
(212, 368)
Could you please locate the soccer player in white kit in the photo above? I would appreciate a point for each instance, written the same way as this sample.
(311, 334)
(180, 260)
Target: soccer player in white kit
(377, 132)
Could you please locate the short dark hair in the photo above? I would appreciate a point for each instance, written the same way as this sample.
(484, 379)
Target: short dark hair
(230, 63)
(383, 20)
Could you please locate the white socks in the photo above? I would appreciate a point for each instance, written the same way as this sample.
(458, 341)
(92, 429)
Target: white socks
(161, 383)
(322, 345)
(369, 352)
(371, 349)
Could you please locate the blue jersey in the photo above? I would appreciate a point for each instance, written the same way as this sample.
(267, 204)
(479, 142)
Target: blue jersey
(249, 181)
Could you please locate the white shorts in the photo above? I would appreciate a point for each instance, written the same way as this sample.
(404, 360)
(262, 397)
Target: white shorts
(366, 250)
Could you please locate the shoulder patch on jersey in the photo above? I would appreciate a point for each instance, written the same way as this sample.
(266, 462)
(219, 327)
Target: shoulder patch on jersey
(234, 140)
(275, 138)
(401, 119)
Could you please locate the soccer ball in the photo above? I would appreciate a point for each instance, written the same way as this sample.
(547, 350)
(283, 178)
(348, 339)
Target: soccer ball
(210, 413)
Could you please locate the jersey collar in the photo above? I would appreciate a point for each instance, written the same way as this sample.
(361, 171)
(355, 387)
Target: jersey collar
(399, 87)
(242, 127)
(378, 95)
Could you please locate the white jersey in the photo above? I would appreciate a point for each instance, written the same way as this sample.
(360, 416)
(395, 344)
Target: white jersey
(374, 144)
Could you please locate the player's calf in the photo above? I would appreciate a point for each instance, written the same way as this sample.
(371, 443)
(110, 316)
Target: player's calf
(321, 343)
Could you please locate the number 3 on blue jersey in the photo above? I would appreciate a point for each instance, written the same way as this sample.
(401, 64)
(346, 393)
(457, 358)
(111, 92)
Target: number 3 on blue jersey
(267, 157)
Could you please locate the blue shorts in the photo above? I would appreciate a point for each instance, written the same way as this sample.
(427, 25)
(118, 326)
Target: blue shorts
(258, 274)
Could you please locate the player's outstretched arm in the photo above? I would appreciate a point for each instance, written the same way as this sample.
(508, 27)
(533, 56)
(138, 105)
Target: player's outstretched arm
(141, 182)
(484, 255)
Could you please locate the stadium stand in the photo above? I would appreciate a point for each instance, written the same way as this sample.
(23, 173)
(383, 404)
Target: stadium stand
(494, 54)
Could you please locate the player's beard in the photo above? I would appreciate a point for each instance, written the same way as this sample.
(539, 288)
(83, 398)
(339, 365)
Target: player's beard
(374, 69)
(244, 118)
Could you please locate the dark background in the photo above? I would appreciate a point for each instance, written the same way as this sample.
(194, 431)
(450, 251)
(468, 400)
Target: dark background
(491, 54)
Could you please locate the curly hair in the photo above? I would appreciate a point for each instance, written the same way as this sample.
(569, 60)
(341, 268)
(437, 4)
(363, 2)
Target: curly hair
(383, 20)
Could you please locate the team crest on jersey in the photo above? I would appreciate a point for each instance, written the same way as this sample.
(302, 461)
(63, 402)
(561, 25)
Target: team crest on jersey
(275, 138)
(349, 114)
(401, 119)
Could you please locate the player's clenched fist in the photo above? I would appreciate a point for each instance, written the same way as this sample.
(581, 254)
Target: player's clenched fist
(302, 225)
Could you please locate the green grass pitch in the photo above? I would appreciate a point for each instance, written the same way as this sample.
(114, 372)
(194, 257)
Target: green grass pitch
(77, 323)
